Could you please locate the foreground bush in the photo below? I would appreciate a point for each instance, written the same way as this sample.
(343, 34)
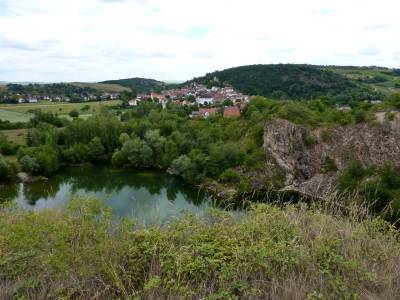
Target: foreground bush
(267, 253)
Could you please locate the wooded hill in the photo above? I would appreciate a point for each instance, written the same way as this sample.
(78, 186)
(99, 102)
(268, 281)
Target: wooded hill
(139, 85)
(291, 81)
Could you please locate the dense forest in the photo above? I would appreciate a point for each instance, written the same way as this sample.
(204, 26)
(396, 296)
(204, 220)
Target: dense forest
(290, 81)
(50, 89)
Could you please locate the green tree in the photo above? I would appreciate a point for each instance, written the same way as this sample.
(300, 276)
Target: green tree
(184, 167)
(74, 114)
(96, 150)
(29, 164)
(8, 170)
(135, 152)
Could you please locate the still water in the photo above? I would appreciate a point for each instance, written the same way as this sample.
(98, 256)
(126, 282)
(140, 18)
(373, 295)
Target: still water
(151, 197)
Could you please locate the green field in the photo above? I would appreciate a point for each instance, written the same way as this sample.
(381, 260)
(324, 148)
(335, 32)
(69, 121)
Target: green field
(103, 87)
(17, 136)
(390, 82)
(20, 112)
(14, 116)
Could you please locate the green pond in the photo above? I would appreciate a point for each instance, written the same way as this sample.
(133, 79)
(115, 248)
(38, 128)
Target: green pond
(151, 197)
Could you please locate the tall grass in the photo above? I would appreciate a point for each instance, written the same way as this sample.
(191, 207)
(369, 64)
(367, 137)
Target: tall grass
(325, 251)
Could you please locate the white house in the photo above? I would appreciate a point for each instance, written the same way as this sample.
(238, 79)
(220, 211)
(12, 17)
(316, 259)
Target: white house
(134, 102)
(204, 101)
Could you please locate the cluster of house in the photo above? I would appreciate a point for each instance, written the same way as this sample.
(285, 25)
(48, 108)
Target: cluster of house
(195, 93)
(204, 97)
(26, 98)
(227, 112)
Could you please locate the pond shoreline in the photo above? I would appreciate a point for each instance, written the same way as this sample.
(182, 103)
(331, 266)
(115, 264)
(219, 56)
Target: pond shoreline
(139, 193)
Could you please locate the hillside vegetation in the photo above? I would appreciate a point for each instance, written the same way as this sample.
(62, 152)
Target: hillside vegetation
(382, 79)
(104, 87)
(269, 253)
(290, 81)
(139, 85)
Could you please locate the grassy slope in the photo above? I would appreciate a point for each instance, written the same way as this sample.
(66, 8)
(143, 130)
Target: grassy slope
(269, 253)
(14, 116)
(103, 87)
(386, 87)
(19, 112)
(17, 136)
(140, 85)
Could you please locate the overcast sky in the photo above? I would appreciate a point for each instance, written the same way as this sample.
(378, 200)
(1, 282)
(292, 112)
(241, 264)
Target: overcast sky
(93, 40)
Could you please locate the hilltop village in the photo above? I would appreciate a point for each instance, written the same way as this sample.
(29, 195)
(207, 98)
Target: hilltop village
(209, 100)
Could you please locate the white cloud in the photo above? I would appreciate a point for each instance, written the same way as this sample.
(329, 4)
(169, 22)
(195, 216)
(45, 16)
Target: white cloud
(91, 40)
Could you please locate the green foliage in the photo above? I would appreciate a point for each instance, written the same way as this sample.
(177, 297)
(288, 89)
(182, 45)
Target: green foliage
(8, 170)
(76, 154)
(66, 254)
(379, 186)
(7, 147)
(134, 152)
(229, 176)
(291, 81)
(139, 85)
(350, 177)
(46, 117)
(45, 159)
(184, 167)
(43, 134)
(29, 164)
(328, 165)
(74, 114)
(85, 108)
(96, 150)
(50, 89)
(394, 100)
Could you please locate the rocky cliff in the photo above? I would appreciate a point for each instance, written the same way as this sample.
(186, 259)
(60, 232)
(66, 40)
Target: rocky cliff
(312, 158)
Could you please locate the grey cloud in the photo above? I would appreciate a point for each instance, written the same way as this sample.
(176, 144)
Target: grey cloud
(27, 46)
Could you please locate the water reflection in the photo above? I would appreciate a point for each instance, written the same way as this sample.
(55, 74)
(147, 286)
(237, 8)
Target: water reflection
(151, 197)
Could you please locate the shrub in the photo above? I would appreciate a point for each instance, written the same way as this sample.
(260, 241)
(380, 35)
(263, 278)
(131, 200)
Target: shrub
(229, 176)
(29, 164)
(328, 165)
(82, 253)
(8, 170)
(74, 114)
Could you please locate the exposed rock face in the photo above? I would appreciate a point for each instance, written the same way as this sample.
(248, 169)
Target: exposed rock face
(301, 152)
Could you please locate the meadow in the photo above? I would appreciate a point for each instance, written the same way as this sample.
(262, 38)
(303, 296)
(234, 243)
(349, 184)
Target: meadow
(21, 112)
(17, 136)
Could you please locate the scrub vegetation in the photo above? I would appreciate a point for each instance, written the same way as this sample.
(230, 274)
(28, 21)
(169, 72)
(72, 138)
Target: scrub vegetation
(271, 252)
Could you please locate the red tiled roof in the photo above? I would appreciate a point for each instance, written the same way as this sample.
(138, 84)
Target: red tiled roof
(231, 111)
(211, 111)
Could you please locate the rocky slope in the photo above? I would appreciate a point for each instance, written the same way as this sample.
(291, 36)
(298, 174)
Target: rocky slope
(312, 158)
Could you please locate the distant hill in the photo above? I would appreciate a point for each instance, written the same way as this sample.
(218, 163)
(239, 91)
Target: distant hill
(293, 81)
(139, 85)
(381, 79)
(104, 87)
(63, 88)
